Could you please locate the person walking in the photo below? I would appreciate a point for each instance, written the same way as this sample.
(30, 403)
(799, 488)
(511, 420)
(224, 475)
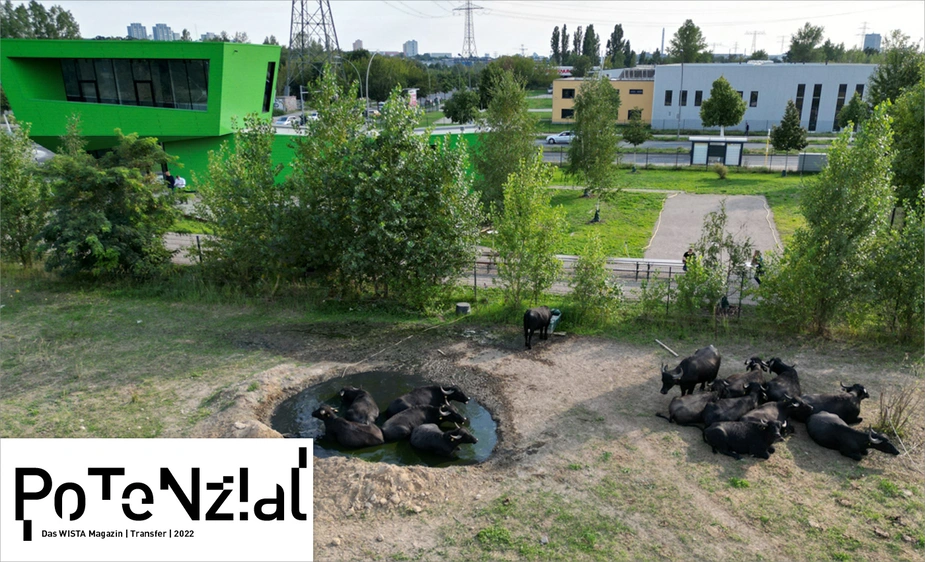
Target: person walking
(758, 264)
(746, 128)
(687, 256)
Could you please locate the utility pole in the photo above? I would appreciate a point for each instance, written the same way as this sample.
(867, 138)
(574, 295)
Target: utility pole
(781, 37)
(754, 35)
(863, 33)
(469, 50)
(306, 28)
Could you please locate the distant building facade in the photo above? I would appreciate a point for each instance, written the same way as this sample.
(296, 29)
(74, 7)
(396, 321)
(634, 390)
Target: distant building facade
(162, 32)
(410, 48)
(872, 42)
(137, 31)
(358, 45)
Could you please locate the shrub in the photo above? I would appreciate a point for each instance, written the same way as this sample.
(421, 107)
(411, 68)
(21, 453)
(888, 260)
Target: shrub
(899, 410)
(721, 170)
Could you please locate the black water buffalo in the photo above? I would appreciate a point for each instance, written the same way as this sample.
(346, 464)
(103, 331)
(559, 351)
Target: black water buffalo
(701, 367)
(832, 432)
(688, 410)
(536, 319)
(786, 383)
(736, 438)
(734, 385)
(731, 409)
(429, 437)
(361, 407)
(426, 396)
(349, 434)
(847, 406)
(403, 423)
(782, 410)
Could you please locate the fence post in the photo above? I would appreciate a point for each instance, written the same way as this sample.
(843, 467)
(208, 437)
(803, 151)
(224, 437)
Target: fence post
(668, 293)
(647, 159)
(475, 281)
(199, 247)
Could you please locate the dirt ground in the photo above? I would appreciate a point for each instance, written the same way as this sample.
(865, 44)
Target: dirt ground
(567, 403)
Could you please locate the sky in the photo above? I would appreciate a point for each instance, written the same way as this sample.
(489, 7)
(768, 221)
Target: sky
(507, 27)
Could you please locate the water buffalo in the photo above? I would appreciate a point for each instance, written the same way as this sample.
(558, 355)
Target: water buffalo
(701, 367)
(731, 409)
(426, 396)
(734, 385)
(429, 437)
(847, 406)
(688, 410)
(786, 383)
(832, 432)
(536, 319)
(361, 407)
(736, 438)
(401, 424)
(349, 434)
(782, 410)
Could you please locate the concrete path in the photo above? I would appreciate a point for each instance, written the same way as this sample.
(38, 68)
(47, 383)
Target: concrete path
(682, 216)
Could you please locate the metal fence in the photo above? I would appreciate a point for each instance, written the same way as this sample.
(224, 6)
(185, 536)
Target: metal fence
(681, 158)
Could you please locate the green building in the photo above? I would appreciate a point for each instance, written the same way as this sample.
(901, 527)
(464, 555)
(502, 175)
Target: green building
(184, 93)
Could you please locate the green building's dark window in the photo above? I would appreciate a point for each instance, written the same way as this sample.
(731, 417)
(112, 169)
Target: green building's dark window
(171, 83)
(268, 88)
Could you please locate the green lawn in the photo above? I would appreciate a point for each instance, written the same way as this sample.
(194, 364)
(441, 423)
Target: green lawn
(626, 221)
(429, 118)
(782, 193)
(539, 103)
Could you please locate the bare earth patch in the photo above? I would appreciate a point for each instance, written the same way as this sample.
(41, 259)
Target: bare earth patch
(583, 469)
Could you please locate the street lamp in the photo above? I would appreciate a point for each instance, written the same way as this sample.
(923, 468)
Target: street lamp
(359, 79)
(369, 64)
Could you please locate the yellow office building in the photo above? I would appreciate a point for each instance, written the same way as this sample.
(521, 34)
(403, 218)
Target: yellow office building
(635, 85)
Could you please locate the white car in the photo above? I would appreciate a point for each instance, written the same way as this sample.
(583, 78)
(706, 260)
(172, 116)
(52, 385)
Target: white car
(565, 137)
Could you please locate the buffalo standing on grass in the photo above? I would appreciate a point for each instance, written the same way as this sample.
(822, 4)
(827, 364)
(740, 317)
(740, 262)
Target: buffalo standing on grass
(536, 319)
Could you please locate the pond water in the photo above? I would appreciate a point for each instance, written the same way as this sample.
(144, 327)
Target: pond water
(293, 417)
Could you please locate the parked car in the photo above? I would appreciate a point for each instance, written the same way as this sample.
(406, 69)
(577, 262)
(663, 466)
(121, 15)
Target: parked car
(286, 121)
(565, 137)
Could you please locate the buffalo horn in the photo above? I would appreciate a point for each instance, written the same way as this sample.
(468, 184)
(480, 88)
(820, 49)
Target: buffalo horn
(444, 412)
(445, 391)
(455, 437)
(874, 440)
(843, 387)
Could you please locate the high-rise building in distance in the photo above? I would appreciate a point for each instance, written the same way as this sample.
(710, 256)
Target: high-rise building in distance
(137, 31)
(410, 48)
(358, 45)
(162, 32)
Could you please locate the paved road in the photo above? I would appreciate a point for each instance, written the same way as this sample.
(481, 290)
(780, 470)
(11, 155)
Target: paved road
(748, 160)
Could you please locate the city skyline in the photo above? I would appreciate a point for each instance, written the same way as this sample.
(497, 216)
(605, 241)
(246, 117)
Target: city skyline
(512, 27)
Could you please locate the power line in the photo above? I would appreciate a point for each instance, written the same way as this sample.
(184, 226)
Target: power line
(469, 50)
(782, 37)
(754, 35)
(863, 33)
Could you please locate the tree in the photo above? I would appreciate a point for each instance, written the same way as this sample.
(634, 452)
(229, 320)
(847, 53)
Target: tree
(564, 52)
(629, 56)
(594, 292)
(108, 216)
(804, 43)
(581, 66)
(855, 111)
(488, 79)
(22, 196)
(614, 52)
(825, 271)
(760, 54)
(528, 230)
(554, 43)
(898, 295)
(832, 52)
(902, 67)
(387, 215)
(636, 131)
(185, 36)
(591, 46)
(687, 44)
(596, 143)
(789, 135)
(35, 22)
(240, 37)
(271, 40)
(510, 140)
(246, 208)
(909, 160)
(724, 108)
(577, 42)
(463, 107)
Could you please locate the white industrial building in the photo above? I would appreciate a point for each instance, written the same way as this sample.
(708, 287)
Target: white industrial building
(819, 91)
(410, 48)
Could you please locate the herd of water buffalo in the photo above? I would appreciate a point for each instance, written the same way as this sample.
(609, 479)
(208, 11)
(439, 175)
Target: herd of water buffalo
(748, 412)
(415, 416)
